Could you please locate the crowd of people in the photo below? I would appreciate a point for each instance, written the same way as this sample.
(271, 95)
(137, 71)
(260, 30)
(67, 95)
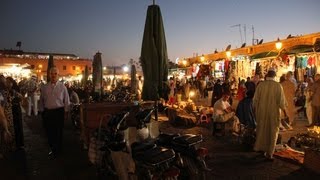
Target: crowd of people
(264, 104)
(51, 100)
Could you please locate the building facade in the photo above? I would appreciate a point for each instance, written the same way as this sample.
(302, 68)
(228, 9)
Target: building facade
(17, 63)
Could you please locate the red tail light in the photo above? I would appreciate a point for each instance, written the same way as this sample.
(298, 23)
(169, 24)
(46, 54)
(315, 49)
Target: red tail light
(202, 152)
(172, 172)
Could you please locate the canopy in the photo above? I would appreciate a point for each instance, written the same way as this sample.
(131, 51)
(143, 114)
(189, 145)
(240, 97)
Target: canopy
(300, 49)
(154, 57)
(264, 55)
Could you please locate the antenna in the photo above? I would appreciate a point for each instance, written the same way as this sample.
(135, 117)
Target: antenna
(252, 35)
(245, 33)
(254, 41)
(238, 25)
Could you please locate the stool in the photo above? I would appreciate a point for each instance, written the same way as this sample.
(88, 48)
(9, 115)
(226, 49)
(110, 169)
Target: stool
(218, 127)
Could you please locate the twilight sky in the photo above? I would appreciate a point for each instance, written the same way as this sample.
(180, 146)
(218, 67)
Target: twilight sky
(115, 27)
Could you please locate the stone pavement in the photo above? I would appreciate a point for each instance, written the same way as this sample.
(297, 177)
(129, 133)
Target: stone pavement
(227, 158)
(33, 163)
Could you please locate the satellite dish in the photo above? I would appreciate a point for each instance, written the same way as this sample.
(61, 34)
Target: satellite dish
(289, 36)
(243, 45)
(260, 42)
(228, 47)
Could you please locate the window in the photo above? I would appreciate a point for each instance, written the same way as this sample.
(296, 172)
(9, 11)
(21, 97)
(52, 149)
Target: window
(89, 68)
(64, 67)
(73, 67)
(32, 66)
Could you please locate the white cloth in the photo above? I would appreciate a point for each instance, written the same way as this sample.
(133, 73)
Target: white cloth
(308, 105)
(220, 106)
(267, 101)
(54, 96)
(220, 115)
(32, 104)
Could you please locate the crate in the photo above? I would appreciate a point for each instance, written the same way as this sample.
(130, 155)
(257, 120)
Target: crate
(312, 159)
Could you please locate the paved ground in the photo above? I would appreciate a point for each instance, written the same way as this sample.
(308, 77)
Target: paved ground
(228, 158)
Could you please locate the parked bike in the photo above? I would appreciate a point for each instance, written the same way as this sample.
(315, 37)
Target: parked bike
(193, 157)
(114, 141)
(75, 115)
(152, 161)
(189, 156)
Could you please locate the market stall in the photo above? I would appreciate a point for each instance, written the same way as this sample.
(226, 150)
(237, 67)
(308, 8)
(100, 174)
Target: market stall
(92, 113)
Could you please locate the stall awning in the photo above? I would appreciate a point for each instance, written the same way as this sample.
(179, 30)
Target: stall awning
(300, 49)
(264, 55)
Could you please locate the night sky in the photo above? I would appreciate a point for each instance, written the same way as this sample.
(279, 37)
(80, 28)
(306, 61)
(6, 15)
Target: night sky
(115, 27)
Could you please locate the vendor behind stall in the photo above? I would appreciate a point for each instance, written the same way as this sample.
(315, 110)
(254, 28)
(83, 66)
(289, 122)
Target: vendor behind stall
(223, 112)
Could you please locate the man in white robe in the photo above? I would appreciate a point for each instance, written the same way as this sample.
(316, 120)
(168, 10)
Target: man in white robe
(268, 99)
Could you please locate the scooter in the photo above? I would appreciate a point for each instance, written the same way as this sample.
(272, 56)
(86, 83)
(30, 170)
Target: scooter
(152, 161)
(114, 141)
(75, 115)
(193, 156)
(189, 156)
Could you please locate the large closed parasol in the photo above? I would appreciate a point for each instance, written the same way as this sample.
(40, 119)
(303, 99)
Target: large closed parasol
(154, 57)
(97, 74)
(85, 76)
(50, 65)
(133, 79)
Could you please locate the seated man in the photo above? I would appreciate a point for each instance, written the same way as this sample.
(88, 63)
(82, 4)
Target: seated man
(245, 111)
(223, 112)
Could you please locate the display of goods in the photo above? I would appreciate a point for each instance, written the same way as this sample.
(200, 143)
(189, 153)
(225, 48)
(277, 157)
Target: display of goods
(314, 131)
(304, 140)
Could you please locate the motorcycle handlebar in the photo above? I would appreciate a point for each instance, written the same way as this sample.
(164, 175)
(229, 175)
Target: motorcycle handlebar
(122, 119)
(144, 114)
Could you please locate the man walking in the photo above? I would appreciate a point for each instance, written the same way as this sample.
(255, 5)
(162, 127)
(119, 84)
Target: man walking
(267, 101)
(54, 103)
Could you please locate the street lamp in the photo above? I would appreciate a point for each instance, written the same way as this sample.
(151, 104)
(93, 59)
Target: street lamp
(184, 62)
(39, 71)
(125, 69)
(278, 44)
(202, 58)
(228, 53)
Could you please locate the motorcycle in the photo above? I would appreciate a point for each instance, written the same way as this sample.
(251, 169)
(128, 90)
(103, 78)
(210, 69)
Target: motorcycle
(75, 115)
(152, 161)
(193, 156)
(189, 157)
(114, 141)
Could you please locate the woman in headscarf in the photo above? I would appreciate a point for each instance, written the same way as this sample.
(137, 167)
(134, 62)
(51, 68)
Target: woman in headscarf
(14, 91)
